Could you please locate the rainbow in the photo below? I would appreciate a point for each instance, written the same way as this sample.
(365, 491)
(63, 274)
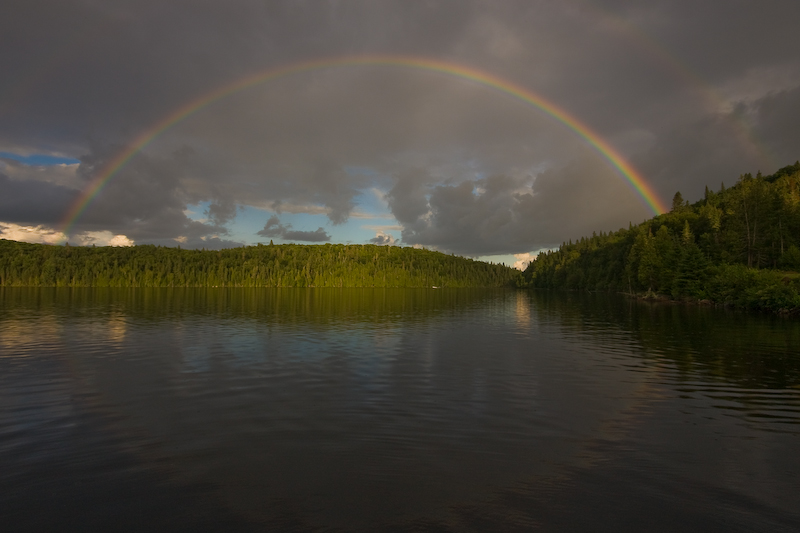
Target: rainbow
(683, 72)
(634, 178)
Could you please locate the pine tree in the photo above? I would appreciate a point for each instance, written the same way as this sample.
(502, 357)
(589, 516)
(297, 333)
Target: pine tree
(692, 273)
(649, 262)
(677, 202)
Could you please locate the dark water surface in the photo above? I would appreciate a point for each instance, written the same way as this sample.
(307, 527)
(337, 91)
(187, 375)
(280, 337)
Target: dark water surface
(393, 410)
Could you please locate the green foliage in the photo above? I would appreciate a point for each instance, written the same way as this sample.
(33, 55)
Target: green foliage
(740, 286)
(733, 247)
(791, 259)
(287, 265)
(677, 202)
(692, 273)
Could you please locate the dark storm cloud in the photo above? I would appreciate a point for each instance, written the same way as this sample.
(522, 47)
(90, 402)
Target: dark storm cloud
(274, 229)
(500, 213)
(33, 202)
(761, 135)
(146, 200)
(778, 118)
(330, 184)
(680, 88)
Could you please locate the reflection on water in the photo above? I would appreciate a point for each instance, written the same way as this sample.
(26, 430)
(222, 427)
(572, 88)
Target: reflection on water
(749, 362)
(351, 409)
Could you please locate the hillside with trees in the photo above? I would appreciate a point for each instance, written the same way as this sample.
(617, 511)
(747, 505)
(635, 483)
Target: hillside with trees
(286, 265)
(738, 246)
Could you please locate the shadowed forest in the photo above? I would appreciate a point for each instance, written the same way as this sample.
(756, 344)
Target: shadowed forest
(285, 265)
(739, 246)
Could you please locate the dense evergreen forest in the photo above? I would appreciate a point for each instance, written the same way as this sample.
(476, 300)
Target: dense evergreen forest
(285, 265)
(739, 246)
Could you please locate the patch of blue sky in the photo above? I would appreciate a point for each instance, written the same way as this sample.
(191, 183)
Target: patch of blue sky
(356, 230)
(197, 212)
(362, 230)
(372, 202)
(40, 160)
(369, 217)
(250, 220)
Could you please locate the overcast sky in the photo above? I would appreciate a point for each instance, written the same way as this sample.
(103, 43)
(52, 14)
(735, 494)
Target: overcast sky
(690, 93)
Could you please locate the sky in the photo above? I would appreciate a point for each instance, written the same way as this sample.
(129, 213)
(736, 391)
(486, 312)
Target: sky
(488, 129)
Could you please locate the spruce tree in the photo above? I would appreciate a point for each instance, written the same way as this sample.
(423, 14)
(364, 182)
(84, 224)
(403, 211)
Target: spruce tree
(677, 202)
(692, 273)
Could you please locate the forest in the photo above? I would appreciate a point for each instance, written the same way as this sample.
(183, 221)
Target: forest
(738, 246)
(283, 265)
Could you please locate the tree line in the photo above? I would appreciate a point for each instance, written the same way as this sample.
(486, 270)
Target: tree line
(737, 246)
(285, 265)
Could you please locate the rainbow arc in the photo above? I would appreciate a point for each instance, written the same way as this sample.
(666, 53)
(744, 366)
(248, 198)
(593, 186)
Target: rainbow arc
(113, 166)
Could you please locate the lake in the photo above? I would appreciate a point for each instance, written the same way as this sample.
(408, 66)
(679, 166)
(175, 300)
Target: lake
(393, 410)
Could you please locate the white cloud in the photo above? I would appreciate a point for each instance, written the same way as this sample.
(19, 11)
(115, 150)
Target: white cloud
(101, 238)
(523, 260)
(383, 239)
(46, 235)
(120, 240)
(35, 234)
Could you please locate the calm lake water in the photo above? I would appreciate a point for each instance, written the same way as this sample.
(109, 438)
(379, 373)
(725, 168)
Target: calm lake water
(393, 410)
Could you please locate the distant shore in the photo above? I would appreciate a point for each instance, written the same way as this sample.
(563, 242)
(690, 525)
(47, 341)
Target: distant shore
(285, 265)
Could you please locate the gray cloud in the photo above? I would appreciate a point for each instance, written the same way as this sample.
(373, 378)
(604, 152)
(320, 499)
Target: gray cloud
(777, 116)
(383, 239)
(145, 200)
(500, 213)
(318, 235)
(671, 84)
(274, 229)
(760, 135)
(33, 202)
(221, 212)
